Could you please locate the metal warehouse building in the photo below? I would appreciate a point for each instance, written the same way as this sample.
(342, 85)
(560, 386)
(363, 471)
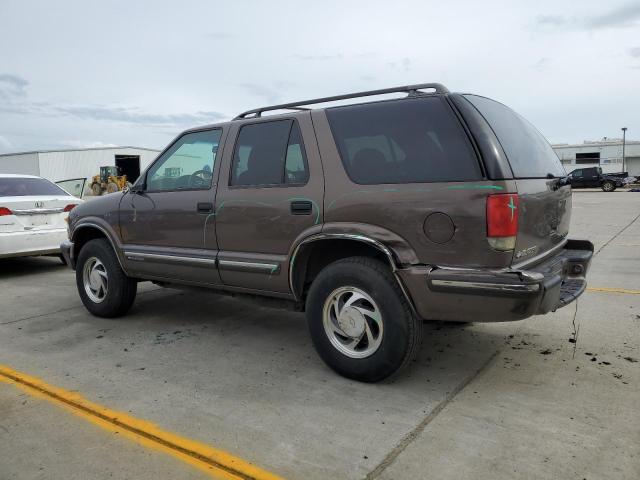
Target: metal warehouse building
(56, 165)
(606, 153)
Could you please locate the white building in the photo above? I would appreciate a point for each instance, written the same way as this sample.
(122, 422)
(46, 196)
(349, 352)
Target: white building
(606, 153)
(56, 165)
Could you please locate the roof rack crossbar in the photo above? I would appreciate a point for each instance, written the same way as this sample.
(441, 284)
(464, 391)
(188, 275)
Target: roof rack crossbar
(410, 89)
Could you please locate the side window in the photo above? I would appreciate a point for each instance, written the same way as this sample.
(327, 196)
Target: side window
(576, 173)
(403, 141)
(187, 165)
(269, 153)
(296, 170)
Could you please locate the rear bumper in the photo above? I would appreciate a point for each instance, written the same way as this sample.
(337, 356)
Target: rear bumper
(494, 296)
(31, 242)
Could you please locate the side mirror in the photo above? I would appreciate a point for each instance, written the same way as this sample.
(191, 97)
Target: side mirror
(138, 188)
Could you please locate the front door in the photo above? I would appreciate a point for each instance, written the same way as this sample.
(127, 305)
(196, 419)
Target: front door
(269, 195)
(168, 229)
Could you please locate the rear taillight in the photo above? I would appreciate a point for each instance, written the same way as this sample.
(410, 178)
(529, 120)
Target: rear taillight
(70, 207)
(5, 211)
(502, 220)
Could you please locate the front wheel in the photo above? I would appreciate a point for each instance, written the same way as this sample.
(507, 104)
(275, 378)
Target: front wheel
(103, 287)
(360, 321)
(608, 186)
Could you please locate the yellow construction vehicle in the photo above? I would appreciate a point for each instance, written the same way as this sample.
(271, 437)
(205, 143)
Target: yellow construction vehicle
(108, 180)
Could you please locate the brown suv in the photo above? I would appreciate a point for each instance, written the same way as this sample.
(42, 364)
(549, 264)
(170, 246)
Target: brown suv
(371, 217)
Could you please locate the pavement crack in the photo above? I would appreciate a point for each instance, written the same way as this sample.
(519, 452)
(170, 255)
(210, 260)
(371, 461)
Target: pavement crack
(616, 235)
(60, 311)
(41, 315)
(413, 434)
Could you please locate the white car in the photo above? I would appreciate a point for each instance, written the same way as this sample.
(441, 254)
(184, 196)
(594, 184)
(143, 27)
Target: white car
(33, 214)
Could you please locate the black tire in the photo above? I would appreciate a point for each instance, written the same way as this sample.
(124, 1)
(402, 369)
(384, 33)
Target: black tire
(608, 186)
(121, 290)
(402, 332)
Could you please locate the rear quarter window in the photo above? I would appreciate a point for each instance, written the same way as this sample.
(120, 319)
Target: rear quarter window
(403, 141)
(528, 152)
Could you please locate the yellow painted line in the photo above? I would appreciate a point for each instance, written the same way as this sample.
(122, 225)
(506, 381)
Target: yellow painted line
(215, 462)
(613, 290)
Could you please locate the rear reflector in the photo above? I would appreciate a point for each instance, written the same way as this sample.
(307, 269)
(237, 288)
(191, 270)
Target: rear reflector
(70, 207)
(5, 211)
(502, 220)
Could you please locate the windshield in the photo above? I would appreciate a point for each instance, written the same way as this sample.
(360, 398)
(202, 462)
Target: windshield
(25, 186)
(529, 153)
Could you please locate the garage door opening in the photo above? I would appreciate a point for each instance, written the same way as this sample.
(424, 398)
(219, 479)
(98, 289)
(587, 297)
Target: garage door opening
(129, 165)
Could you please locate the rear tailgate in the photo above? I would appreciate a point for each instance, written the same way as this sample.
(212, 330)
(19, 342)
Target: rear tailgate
(544, 207)
(545, 214)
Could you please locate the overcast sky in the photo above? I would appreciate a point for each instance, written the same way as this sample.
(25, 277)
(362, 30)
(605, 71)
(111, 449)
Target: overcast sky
(92, 73)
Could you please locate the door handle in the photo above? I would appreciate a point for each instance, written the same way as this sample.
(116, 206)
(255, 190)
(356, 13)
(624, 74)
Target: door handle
(301, 207)
(205, 207)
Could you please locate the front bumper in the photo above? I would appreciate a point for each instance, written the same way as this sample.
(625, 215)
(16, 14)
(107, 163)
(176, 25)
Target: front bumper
(66, 248)
(470, 295)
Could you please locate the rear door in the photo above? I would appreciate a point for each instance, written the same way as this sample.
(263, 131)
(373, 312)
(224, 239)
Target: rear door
(591, 177)
(270, 193)
(577, 179)
(544, 209)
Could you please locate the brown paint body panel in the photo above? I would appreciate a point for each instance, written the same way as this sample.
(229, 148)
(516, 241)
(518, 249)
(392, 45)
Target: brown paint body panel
(544, 218)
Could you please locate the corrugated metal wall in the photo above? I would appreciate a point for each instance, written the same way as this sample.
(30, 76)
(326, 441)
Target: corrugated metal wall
(23, 163)
(86, 163)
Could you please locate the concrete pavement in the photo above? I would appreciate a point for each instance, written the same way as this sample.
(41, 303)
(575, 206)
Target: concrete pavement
(482, 401)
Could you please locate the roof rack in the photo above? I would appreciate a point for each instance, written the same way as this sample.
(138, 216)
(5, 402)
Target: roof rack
(412, 90)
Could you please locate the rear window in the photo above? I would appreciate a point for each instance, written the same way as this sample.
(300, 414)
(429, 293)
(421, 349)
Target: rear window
(403, 141)
(529, 153)
(22, 187)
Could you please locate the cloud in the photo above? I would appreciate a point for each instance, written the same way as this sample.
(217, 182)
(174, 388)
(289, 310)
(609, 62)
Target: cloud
(85, 144)
(271, 95)
(552, 21)
(219, 35)
(12, 86)
(121, 115)
(635, 52)
(541, 64)
(404, 64)
(623, 16)
(316, 58)
(134, 116)
(5, 144)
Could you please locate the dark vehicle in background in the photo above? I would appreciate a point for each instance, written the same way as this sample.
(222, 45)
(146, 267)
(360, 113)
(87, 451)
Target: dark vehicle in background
(593, 177)
(370, 217)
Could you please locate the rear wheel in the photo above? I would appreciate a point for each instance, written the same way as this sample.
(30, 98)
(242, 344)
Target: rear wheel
(360, 322)
(96, 189)
(103, 287)
(112, 187)
(608, 186)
